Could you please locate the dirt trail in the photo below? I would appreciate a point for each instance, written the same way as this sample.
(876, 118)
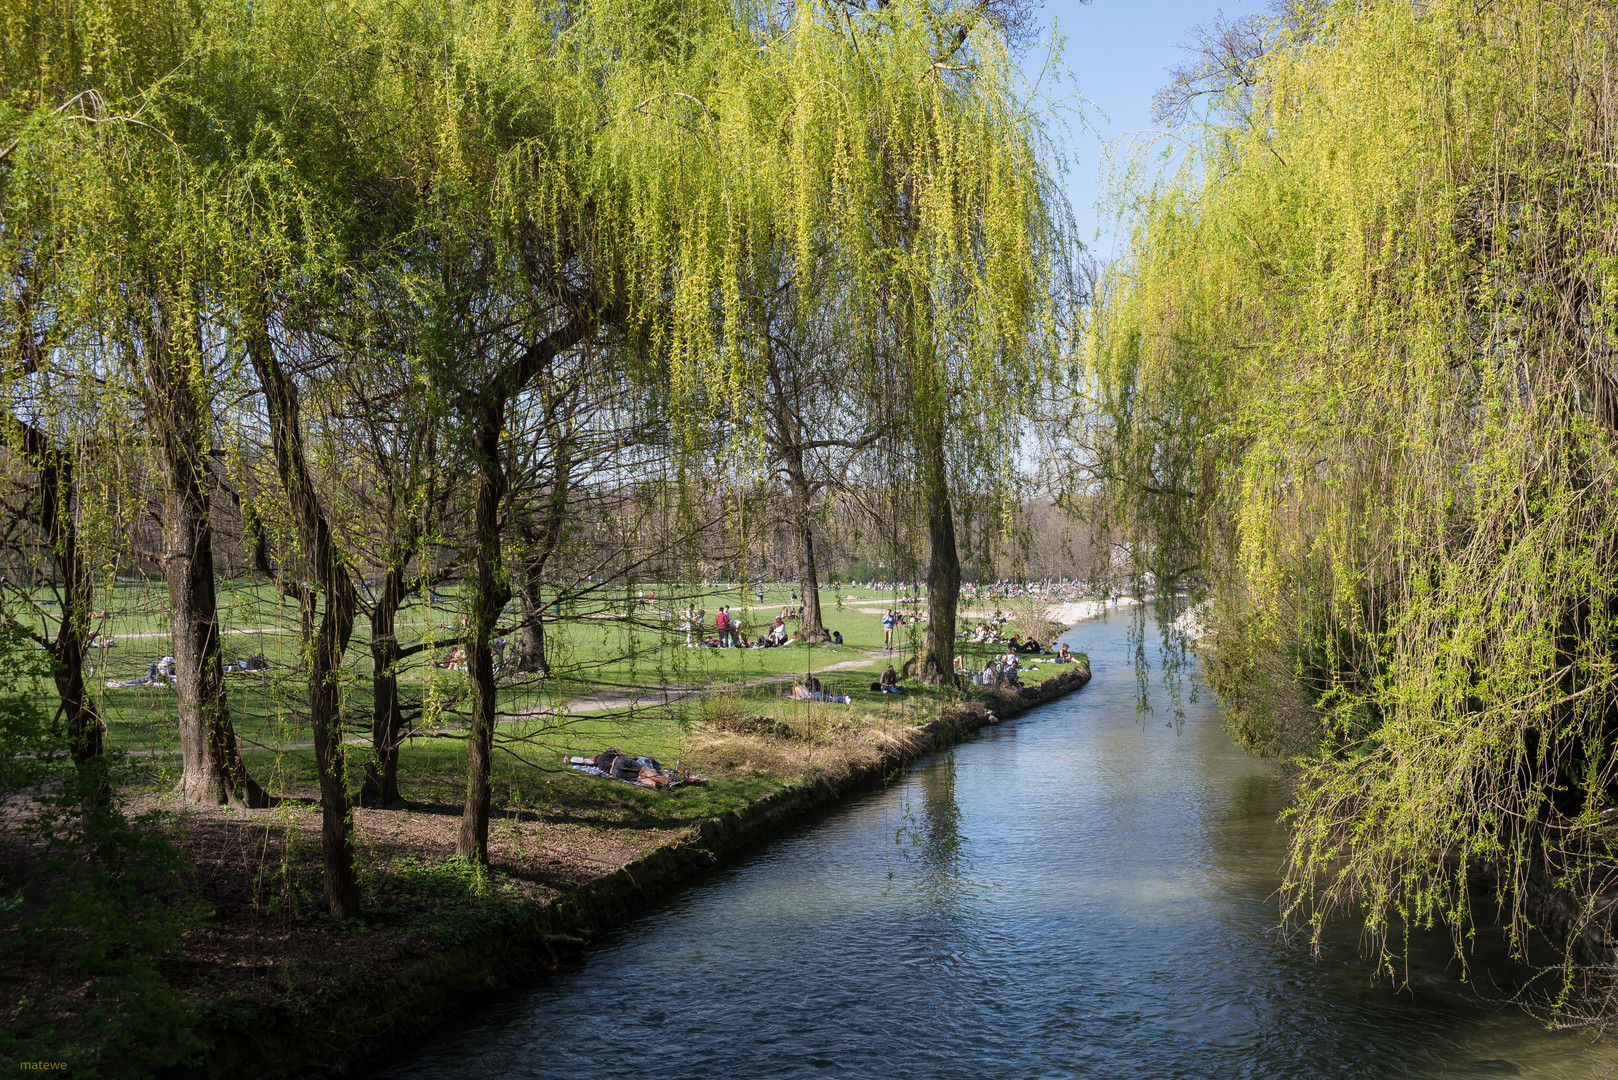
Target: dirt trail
(650, 695)
(165, 633)
(670, 693)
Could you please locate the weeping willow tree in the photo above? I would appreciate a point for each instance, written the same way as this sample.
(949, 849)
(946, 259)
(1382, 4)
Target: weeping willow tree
(101, 244)
(603, 176)
(117, 236)
(1357, 378)
(890, 151)
(517, 183)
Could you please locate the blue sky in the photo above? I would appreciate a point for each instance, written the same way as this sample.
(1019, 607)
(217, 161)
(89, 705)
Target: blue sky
(1117, 51)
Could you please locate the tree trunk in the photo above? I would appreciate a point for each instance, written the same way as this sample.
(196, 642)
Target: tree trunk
(488, 600)
(342, 891)
(387, 716)
(210, 761)
(813, 630)
(928, 386)
(324, 642)
(211, 769)
(531, 649)
(937, 666)
(54, 488)
(85, 728)
(541, 539)
(487, 413)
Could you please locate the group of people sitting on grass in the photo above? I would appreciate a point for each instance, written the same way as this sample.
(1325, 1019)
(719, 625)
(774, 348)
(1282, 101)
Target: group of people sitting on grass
(987, 632)
(778, 635)
(984, 636)
(810, 688)
(727, 633)
(1001, 672)
(1006, 670)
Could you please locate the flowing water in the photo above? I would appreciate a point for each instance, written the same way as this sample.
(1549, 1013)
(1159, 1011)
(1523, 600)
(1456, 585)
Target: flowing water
(1076, 893)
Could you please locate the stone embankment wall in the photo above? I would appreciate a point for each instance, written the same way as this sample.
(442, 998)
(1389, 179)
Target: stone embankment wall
(344, 1039)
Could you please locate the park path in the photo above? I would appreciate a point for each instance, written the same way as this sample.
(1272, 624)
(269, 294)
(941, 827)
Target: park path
(597, 702)
(668, 694)
(253, 630)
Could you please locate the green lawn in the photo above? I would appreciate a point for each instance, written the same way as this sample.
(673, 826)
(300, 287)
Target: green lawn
(605, 646)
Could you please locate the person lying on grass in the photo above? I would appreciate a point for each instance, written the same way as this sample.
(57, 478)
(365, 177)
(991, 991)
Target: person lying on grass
(801, 692)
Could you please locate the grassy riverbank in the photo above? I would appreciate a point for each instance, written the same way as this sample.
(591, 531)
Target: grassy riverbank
(575, 860)
(255, 946)
(606, 653)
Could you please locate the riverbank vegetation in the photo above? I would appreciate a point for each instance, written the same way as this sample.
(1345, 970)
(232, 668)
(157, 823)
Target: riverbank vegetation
(1355, 380)
(385, 386)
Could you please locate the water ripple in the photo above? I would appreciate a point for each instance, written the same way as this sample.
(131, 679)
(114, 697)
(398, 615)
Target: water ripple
(1074, 894)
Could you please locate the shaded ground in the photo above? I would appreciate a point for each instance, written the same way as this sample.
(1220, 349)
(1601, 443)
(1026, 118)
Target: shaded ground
(267, 943)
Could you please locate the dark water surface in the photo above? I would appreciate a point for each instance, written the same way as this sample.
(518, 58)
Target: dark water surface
(1076, 893)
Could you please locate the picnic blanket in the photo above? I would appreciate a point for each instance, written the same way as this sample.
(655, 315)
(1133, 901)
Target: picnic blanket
(613, 764)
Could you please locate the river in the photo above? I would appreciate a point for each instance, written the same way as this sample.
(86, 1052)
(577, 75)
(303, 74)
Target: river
(1081, 892)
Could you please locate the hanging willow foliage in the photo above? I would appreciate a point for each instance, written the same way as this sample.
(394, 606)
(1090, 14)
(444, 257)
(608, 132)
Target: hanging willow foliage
(899, 146)
(187, 187)
(1357, 378)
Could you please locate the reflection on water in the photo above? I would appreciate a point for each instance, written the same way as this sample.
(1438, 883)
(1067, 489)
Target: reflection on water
(934, 842)
(1079, 893)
